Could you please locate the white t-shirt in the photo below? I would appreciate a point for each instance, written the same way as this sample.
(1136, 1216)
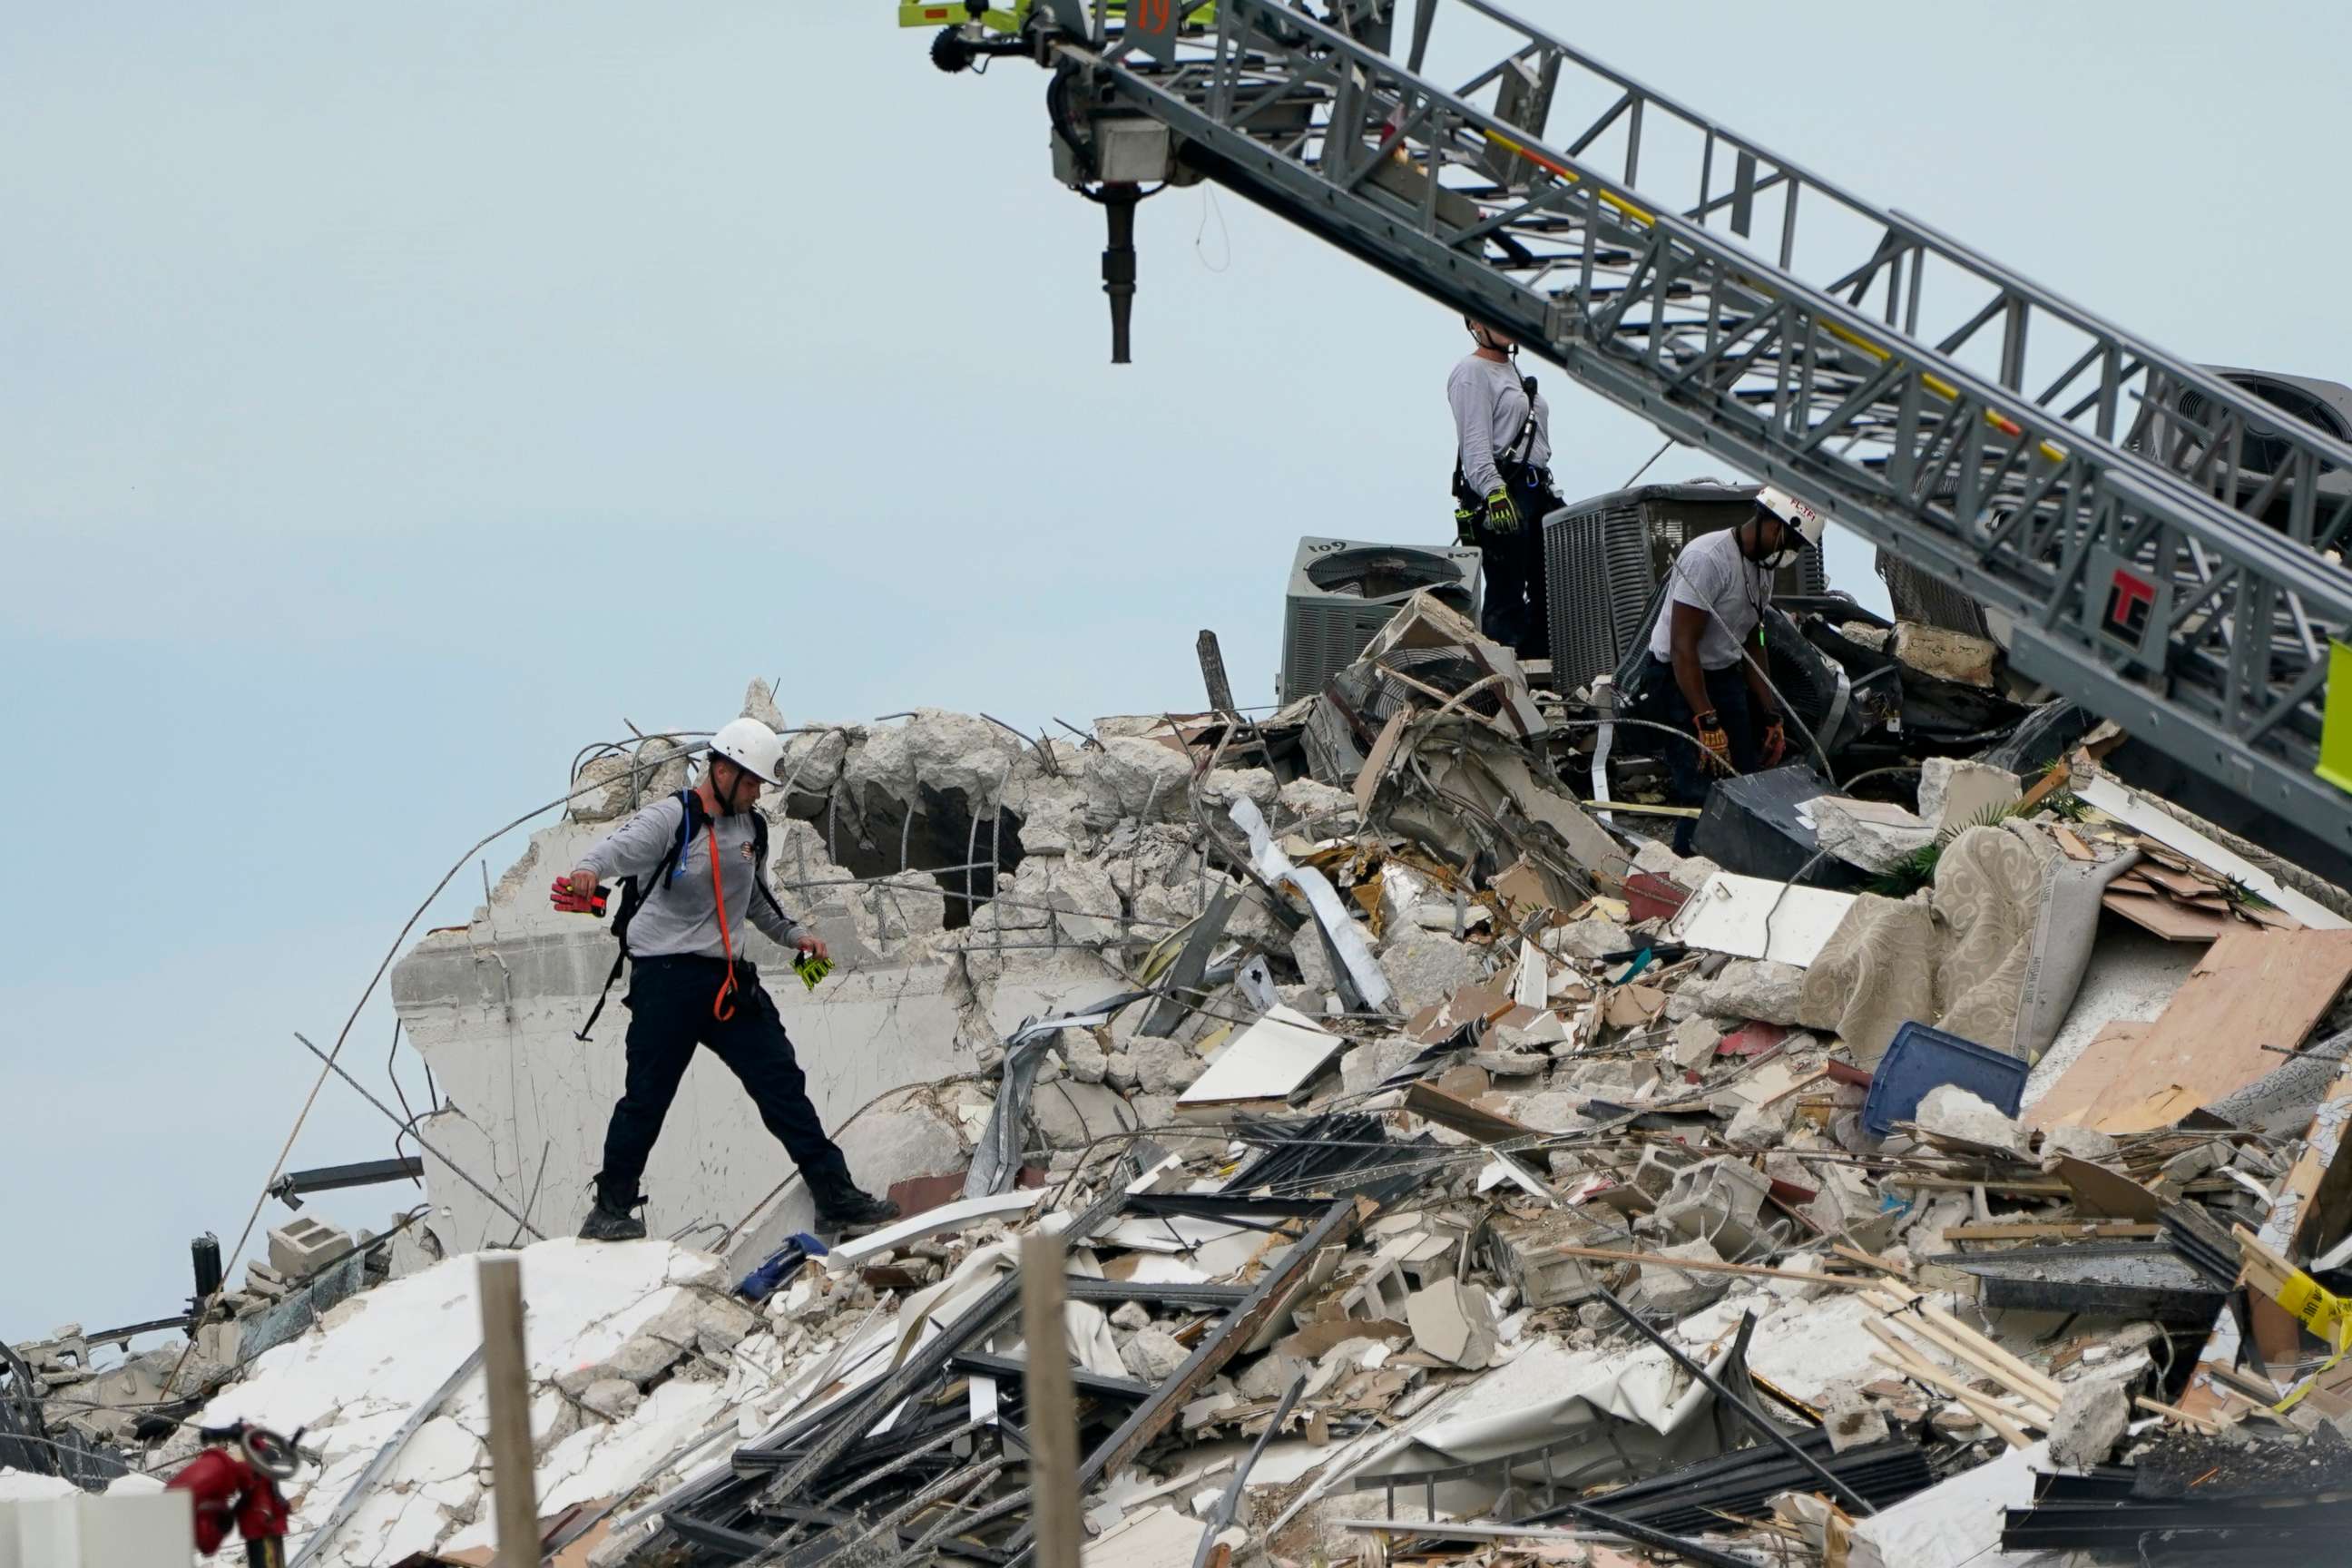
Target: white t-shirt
(1712, 574)
(1489, 408)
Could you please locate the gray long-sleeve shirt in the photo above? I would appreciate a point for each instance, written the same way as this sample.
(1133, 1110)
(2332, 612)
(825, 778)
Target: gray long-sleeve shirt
(679, 916)
(1489, 407)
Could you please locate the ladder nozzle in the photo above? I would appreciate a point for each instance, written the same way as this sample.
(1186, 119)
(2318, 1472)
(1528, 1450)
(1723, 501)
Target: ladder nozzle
(1118, 264)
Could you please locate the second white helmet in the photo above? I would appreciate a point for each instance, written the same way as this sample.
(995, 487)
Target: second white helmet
(1810, 524)
(753, 746)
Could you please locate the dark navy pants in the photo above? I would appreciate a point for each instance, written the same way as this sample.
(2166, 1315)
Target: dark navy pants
(1689, 774)
(670, 1004)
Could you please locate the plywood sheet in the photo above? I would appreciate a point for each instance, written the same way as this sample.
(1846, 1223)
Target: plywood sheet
(2172, 922)
(2253, 988)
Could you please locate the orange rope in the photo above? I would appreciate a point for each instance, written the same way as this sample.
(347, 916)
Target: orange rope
(722, 1007)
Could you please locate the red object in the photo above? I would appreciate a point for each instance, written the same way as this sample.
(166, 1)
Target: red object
(1650, 896)
(1846, 1073)
(1753, 1039)
(568, 903)
(230, 1493)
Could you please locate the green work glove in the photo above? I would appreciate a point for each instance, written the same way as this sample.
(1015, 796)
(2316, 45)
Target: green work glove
(1465, 525)
(1502, 517)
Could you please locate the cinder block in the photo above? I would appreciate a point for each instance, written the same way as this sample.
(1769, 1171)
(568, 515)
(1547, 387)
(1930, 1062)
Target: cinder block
(1659, 1166)
(1380, 1293)
(1522, 1255)
(302, 1244)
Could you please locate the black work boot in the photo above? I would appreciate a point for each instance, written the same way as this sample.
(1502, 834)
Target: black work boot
(845, 1209)
(613, 1222)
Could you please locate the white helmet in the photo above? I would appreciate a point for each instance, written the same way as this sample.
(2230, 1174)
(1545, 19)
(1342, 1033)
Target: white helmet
(1795, 513)
(753, 746)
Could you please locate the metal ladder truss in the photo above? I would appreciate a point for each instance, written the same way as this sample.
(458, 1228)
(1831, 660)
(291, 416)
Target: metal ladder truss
(2107, 506)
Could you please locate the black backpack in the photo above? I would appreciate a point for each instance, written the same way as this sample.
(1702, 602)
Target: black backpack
(633, 892)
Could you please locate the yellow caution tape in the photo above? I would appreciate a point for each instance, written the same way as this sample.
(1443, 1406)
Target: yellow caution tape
(2325, 1315)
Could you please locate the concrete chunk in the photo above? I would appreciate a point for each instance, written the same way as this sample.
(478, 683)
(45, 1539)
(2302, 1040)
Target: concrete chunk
(1454, 1323)
(613, 1398)
(1954, 793)
(1680, 1292)
(1153, 1355)
(1954, 656)
(2076, 1143)
(1951, 1111)
(1852, 1420)
(2091, 1420)
(1868, 834)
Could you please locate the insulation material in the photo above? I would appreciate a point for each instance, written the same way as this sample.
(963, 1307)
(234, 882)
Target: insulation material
(1752, 917)
(1271, 1059)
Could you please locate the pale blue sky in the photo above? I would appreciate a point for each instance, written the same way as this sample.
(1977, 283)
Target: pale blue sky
(394, 397)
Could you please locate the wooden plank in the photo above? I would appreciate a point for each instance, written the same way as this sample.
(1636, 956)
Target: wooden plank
(2071, 845)
(506, 1375)
(1917, 1368)
(1049, 1404)
(2156, 913)
(2256, 988)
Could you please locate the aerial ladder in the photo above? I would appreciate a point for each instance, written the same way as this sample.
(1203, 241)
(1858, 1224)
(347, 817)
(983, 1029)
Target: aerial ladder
(2102, 494)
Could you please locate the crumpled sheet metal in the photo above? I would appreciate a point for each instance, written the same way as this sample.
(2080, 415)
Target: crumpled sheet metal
(1355, 954)
(997, 1158)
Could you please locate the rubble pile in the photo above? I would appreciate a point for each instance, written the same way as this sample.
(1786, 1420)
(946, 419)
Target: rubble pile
(1442, 1167)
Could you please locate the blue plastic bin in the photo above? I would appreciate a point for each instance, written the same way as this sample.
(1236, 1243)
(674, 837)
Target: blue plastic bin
(1921, 1058)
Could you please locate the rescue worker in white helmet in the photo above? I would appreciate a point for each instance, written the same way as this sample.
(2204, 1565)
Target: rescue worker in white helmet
(1502, 486)
(1704, 676)
(699, 884)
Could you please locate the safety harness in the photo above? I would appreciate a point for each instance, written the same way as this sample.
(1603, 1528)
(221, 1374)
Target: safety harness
(1511, 463)
(634, 890)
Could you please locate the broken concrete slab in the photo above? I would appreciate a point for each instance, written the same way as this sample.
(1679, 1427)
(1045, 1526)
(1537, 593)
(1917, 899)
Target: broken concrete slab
(1453, 1322)
(1868, 834)
(1371, 1064)
(1852, 1420)
(1153, 1354)
(1424, 968)
(1663, 1289)
(613, 1398)
(1164, 1066)
(1950, 1112)
(1955, 794)
(1947, 654)
(1132, 779)
(2091, 1417)
(1757, 989)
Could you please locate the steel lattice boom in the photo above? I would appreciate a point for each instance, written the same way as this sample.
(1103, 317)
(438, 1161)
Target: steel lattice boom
(2085, 483)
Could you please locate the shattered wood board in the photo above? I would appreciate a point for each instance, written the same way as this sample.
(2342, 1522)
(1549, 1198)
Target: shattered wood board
(1736, 914)
(1268, 1060)
(1426, 1099)
(2168, 919)
(2127, 805)
(2255, 987)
